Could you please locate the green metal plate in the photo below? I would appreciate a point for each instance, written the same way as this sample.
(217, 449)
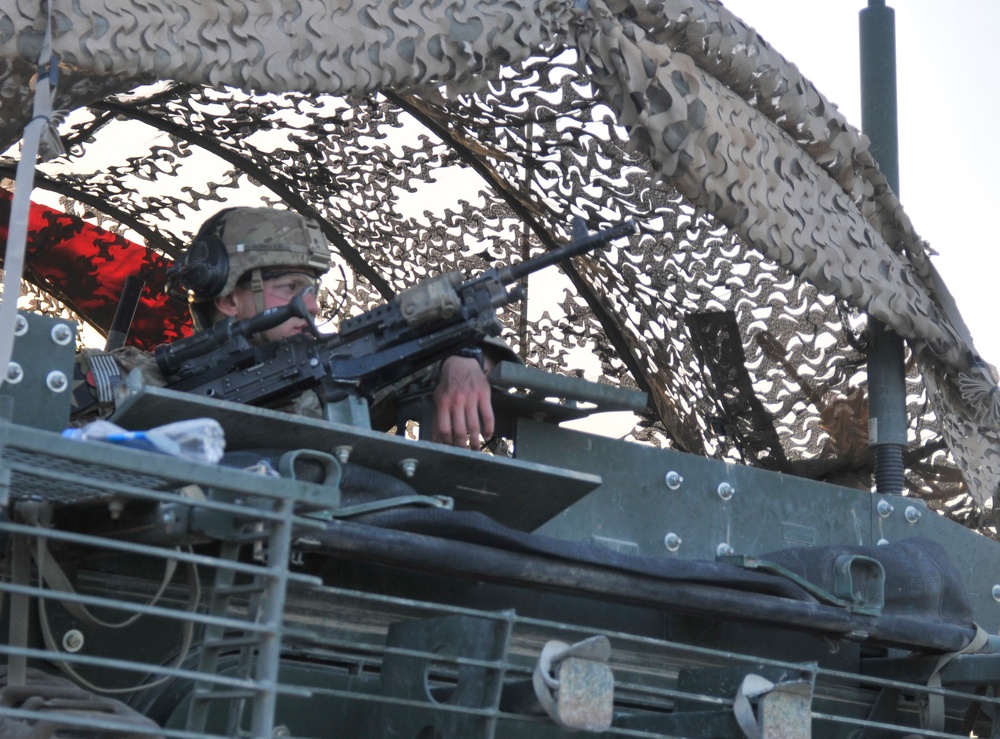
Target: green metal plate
(41, 371)
(975, 557)
(636, 509)
(519, 494)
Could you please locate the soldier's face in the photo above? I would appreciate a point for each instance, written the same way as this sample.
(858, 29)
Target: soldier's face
(278, 290)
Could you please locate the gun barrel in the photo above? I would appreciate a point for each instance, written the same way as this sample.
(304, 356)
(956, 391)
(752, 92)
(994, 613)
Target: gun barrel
(577, 246)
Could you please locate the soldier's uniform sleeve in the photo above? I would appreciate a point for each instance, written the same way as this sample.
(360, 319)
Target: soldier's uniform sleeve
(306, 403)
(498, 351)
(385, 406)
(98, 375)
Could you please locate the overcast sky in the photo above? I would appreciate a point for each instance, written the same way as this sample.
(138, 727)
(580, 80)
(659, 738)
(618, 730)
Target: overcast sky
(948, 63)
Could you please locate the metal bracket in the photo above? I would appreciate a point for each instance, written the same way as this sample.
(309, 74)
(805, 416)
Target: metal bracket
(450, 663)
(850, 569)
(428, 501)
(868, 601)
(40, 374)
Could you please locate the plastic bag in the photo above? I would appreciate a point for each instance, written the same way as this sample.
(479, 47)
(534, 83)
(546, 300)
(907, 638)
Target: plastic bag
(200, 439)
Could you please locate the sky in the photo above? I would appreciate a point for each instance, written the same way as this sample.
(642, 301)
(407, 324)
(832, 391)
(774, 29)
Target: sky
(947, 67)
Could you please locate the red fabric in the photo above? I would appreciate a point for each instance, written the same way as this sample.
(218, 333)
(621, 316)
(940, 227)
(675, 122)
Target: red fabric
(85, 267)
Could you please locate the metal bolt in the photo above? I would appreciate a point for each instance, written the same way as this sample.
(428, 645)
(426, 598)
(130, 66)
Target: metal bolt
(726, 490)
(281, 731)
(912, 514)
(408, 467)
(313, 362)
(996, 592)
(884, 508)
(882, 543)
(673, 480)
(672, 542)
(72, 641)
(62, 334)
(724, 550)
(20, 325)
(14, 373)
(342, 453)
(56, 381)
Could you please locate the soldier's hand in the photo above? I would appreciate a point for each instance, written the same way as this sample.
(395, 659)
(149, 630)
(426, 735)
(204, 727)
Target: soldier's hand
(463, 411)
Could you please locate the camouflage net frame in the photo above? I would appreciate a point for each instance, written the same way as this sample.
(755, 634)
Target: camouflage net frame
(767, 229)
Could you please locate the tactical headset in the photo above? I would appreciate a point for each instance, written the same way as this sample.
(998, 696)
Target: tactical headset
(201, 273)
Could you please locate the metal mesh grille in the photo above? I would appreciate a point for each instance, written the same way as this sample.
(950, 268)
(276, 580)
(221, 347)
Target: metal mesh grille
(36, 474)
(97, 628)
(253, 645)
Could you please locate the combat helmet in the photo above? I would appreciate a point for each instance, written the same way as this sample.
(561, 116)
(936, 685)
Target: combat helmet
(240, 241)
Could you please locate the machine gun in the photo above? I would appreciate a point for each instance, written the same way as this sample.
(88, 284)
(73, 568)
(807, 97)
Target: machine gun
(425, 323)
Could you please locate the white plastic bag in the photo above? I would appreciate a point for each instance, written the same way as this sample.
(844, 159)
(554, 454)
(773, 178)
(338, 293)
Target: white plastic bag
(200, 439)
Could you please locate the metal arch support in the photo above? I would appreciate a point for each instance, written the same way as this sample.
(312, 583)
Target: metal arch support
(351, 255)
(47, 183)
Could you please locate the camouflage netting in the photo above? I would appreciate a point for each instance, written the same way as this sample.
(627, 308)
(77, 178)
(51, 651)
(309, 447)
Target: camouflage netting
(429, 137)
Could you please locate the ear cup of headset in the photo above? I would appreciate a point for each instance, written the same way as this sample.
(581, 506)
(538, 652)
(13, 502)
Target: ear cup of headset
(203, 270)
(206, 266)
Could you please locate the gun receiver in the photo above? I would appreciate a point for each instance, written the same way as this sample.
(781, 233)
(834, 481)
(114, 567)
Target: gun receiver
(423, 324)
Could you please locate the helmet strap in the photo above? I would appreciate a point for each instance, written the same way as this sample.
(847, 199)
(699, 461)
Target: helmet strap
(257, 285)
(197, 315)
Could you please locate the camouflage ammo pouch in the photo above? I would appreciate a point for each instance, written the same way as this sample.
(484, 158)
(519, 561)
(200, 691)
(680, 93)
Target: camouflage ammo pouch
(97, 376)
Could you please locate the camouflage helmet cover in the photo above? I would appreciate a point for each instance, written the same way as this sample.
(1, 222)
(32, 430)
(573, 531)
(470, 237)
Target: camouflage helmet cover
(256, 238)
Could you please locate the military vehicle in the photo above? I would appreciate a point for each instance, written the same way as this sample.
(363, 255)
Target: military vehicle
(774, 336)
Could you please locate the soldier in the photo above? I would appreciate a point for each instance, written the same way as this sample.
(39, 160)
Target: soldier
(245, 260)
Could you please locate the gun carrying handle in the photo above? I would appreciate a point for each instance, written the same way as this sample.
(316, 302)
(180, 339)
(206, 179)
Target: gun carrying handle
(125, 312)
